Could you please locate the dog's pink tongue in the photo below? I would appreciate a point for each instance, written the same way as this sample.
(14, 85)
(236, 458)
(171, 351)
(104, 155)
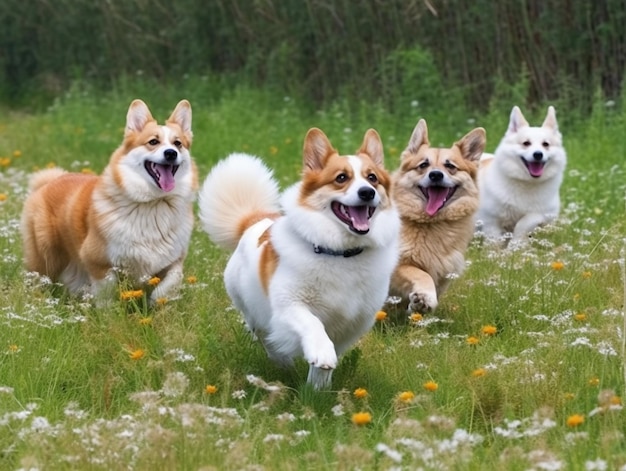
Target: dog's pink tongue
(535, 169)
(166, 177)
(436, 199)
(359, 217)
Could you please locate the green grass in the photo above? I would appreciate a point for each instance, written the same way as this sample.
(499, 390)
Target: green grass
(71, 396)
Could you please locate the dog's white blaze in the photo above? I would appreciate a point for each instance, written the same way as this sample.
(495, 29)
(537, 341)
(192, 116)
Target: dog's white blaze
(352, 194)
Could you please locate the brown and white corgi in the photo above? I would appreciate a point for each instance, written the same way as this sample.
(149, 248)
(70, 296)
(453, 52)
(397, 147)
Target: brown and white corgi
(312, 267)
(135, 218)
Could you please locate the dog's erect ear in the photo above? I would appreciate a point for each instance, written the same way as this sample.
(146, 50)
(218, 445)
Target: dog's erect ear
(317, 149)
(550, 121)
(516, 121)
(137, 117)
(472, 145)
(419, 137)
(182, 116)
(373, 146)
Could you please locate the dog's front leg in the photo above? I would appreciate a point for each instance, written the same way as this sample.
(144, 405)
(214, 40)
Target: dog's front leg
(417, 287)
(297, 324)
(529, 223)
(169, 284)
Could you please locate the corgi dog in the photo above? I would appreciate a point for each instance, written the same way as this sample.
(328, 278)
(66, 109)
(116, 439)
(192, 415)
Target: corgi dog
(135, 218)
(436, 195)
(310, 267)
(519, 183)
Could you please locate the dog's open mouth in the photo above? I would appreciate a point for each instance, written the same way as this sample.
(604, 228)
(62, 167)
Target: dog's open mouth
(356, 217)
(535, 168)
(436, 197)
(163, 175)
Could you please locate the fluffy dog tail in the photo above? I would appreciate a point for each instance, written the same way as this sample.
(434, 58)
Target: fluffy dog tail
(238, 192)
(39, 179)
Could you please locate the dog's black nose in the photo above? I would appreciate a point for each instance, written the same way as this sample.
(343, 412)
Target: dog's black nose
(366, 193)
(435, 175)
(538, 155)
(170, 154)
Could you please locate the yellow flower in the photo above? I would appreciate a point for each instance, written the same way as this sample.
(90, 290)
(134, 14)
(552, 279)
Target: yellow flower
(568, 396)
(431, 386)
(155, 280)
(406, 396)
(556, 266)
(361, 418)
(580, 317)
(192, 279)
(575, 420)
(615, 401)
(210, 389)
(131, 294)
(393, 150)
(137, 354)
(360, 393)
(145, 321)
(5, 161)
(478, 372)
(416, 317)
(381, 316)
(489, 330)
(288, 140)
(13, 348)
(3, 196)
(17, 153)
(273, 150)
(471, 340)
(51, 165)
(586, 274)
(87, 171)
(594, 381)
(161, 301)
(576, 296)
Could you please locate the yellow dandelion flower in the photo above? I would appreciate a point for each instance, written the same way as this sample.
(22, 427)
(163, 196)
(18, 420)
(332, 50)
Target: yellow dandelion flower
(471, 340)
(192, 279)
(575, 420)
(594, 381)
(406, 396)
(615, 401)
(155, 280)
(557, 266)
(161, 301)
(210, 389)
(145, 321)
(416, 317)
(576, 296)
(479, 372)
(3, 196)
(17, 153)
(393, 150)
(13, 348)
(5, 161)
(360, 393)
(381, 316)
(580, 317)
(361, 418)
(273, 150)
(489, 330)
(131, 294)
(586, 274)
(87, 171)
(431, 386)
(137, 354)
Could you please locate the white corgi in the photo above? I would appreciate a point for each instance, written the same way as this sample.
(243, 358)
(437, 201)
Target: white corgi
(308, 276)
(519, 184)
(135, 218)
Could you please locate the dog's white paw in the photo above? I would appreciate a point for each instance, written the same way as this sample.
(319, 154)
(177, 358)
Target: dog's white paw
(321, 354)
(422, 302)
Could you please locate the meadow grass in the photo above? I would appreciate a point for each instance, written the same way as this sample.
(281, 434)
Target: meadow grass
(521, 366)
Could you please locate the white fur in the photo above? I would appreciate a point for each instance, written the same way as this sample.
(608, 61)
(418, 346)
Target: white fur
(511, 200)
(318, 305)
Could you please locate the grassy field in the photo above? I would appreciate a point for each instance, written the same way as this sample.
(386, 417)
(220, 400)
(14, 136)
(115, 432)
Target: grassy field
(521, 367)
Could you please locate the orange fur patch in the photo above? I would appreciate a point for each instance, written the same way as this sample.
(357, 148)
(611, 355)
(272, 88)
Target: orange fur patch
(268, 261)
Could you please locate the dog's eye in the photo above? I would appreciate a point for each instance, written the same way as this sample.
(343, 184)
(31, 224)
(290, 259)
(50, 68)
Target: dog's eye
(372, 178)
(424, 164)
(341, 178)
(153, 142)
(526, 143)
(177, 143)
(545, 144)
(449, 166)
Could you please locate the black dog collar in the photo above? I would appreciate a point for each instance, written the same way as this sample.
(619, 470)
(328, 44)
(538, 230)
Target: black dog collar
(337, 253)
